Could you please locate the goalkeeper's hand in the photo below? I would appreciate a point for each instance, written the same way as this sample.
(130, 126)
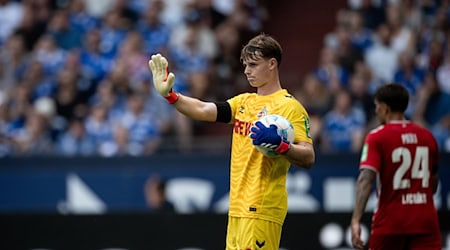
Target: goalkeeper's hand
(268, 137)
(162, 79)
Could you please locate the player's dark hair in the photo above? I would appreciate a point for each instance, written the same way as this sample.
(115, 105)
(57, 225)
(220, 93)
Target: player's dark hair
(395, 96)
(263, 46)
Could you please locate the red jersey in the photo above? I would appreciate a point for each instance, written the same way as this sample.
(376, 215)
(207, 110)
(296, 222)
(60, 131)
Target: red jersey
(403, 154)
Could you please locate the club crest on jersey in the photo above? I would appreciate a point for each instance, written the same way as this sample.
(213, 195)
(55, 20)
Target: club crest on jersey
(262, 113)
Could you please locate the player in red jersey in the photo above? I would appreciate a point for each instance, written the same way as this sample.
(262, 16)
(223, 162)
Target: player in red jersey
(403, 157)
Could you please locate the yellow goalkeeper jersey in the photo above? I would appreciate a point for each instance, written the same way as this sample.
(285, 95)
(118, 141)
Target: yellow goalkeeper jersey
(258, 183)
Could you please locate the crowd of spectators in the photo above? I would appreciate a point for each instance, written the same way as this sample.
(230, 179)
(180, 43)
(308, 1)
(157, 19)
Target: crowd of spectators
(74, 79)
(406, 42)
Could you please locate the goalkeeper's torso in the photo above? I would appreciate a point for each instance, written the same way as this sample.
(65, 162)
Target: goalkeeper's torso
(258, 183)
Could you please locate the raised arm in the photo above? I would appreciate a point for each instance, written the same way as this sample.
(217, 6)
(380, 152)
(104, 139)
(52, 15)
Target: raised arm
(163, 81)
(196, 109)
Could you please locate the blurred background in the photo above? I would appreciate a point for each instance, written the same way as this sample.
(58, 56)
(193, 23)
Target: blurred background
(92, 158)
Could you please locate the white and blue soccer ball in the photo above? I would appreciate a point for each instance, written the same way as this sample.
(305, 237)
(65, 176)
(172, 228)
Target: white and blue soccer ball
(285, 129)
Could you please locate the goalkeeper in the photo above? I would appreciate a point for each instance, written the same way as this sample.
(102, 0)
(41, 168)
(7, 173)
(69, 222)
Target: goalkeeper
(258, 195)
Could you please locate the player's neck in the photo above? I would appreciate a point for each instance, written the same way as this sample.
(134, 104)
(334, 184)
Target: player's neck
(393, 117)
(269, 88)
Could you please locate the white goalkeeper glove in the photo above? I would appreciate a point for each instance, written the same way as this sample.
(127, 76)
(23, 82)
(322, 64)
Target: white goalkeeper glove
(162, 79)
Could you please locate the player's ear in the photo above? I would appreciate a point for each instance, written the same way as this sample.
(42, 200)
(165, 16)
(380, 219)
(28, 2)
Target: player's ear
(273, 64)
(385, 108)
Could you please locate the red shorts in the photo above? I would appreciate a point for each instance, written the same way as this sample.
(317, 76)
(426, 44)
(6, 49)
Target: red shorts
(405, 242)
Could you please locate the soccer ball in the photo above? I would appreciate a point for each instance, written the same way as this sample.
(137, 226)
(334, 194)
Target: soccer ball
(285, 129)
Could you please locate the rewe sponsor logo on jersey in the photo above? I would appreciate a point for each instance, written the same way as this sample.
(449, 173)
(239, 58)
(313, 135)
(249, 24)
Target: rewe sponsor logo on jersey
(241, 127)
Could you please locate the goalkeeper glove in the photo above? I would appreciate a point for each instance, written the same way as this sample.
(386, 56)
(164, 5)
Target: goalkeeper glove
(268, 137)
(162, 79)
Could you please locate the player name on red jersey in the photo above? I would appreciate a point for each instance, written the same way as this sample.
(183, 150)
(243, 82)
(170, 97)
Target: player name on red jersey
(414, 198)
(409, 138)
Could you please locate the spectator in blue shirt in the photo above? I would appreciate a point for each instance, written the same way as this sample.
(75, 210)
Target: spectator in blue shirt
(112, 33)
(18, 106)
(39, 83)
(50, 55)
(191, 65)
(329, 71)
(80, 19)
(65, 35)
(410, 76)
(98, 127)
(343, 126)
(95, 65)
(433, 111)
(360, 36)
(155, 33)
(142, 127)
(35, 137)
(13, 59)
(133, 55)
(74, 141)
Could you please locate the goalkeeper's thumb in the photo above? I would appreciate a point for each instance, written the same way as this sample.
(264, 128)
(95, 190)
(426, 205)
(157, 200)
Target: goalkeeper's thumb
(165, 87)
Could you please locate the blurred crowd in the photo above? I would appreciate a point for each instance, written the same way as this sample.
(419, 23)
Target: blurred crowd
(74, 79)
(373, 43)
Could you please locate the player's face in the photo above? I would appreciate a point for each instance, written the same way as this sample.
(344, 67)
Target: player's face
(380, 111)
(258, 71)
